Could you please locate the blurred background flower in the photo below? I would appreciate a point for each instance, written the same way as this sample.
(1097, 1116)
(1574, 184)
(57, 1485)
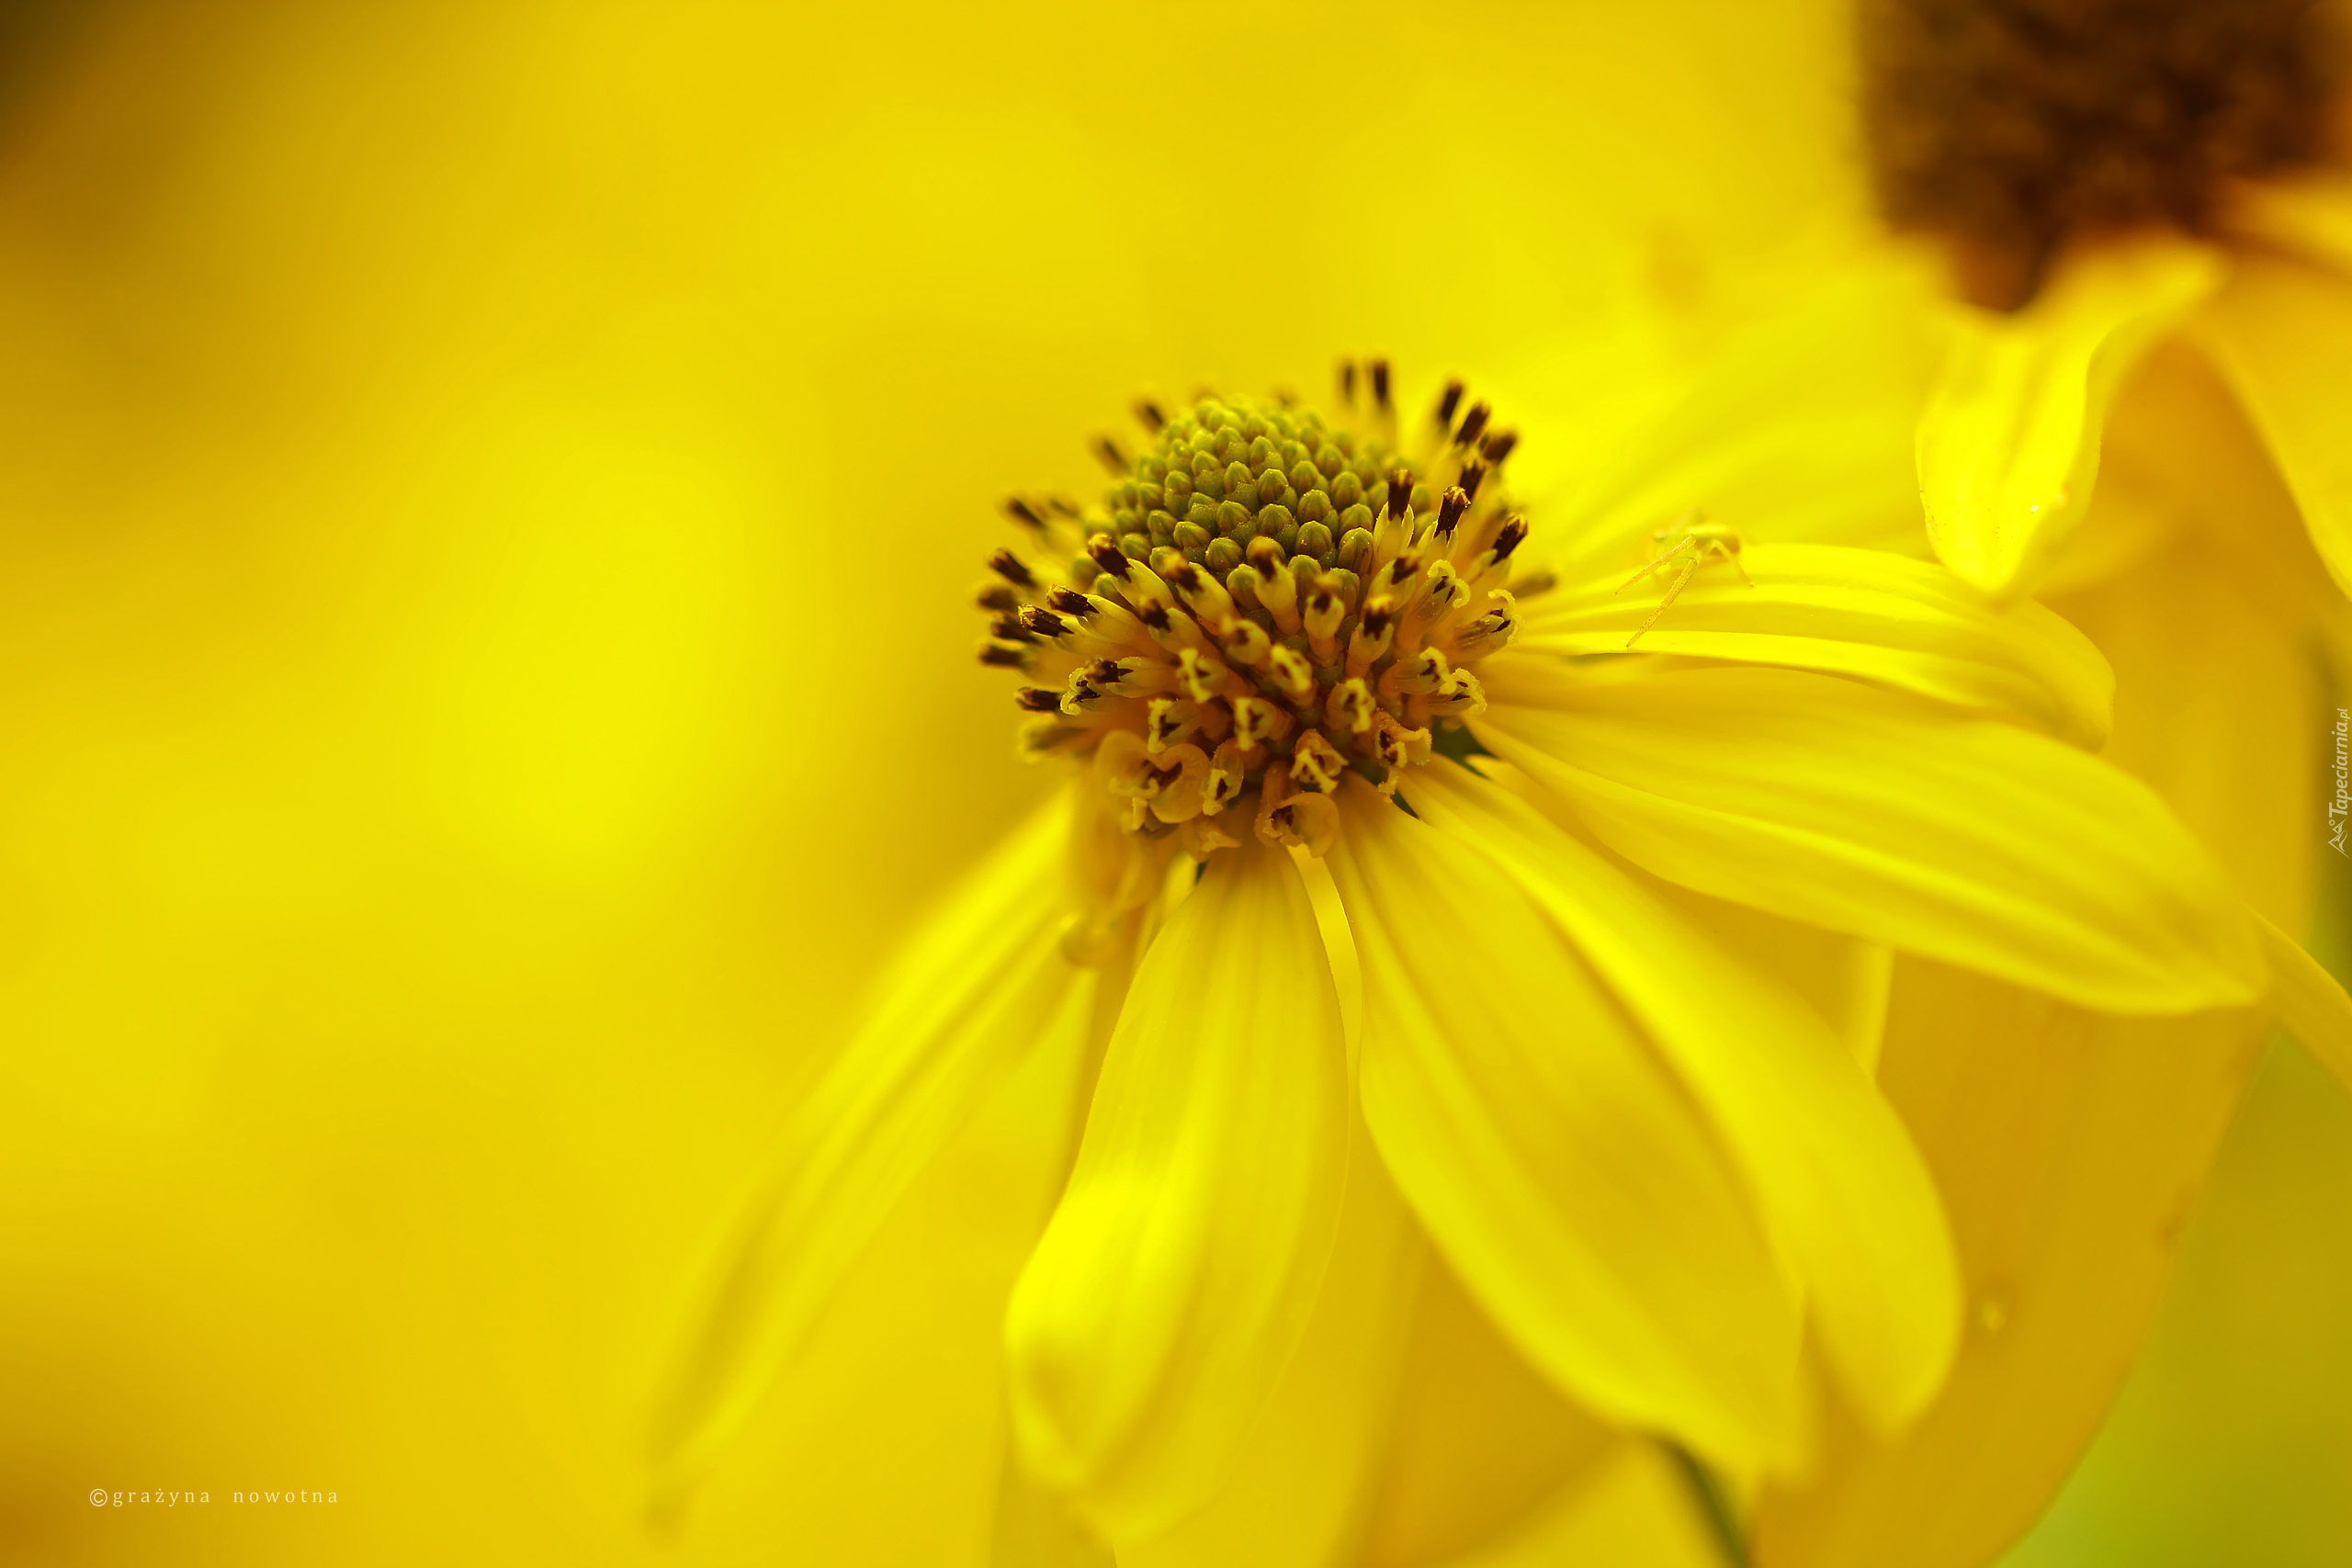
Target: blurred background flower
(434, 443)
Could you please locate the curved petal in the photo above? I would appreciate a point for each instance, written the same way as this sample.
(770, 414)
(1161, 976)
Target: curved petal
(2068, 1148)
(1903, 623)
(982, 984)
(1551, 1157)
(1636, 1508)
(1300, 1493)
(2282, 333)
(2009, 441)
(2311, 1004)
(1839, 1183)
(1175, 1278)
(1829, 802)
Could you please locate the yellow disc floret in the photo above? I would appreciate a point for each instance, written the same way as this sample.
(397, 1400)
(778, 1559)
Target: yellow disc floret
(1267, 601)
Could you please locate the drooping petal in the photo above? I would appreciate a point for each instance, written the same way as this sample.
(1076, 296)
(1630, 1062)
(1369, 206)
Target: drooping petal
(1832, 803)
(1313, 1456)
(1550, 1154)
(2311, 1004)
(1479, 1437)
(2281, 332)
(1175, 1280)
(1902, 623)
(2068, 1148)
(2009, 443)
(979, 987)
(1836, 1174)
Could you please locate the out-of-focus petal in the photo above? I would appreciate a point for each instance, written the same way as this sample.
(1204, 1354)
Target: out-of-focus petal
(1171, 1285)
(2311, 1004)
(2068, 1148)
(2219, 710)
(1636, 1509)
(1835, 1175)
(1313, 1455)
(979, 987)
(1479, 1437)
(2009, 443)
(1828, 801)
(2281, 332)
(1551, 1155)
(1903, 623)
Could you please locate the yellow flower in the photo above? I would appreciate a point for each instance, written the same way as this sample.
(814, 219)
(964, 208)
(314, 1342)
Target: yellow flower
(1554, 996)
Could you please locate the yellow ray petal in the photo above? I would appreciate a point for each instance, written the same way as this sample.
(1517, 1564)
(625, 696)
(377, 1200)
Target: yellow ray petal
(1832, 803)
(1299, 1494)
(1172, 1283)
(2009, 443)
(1551, 1155)
(1903, 623)
(2068, 1148)
(979, 987)
(1838, 1178)
(2312, 1006)
(1635, 1509)
(1801, 429)
(2281, 332)
(1479, 1439)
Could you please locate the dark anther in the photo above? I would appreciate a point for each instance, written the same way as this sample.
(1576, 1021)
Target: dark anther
(1450, 510)
(1499, 445)
(1513, 535)
(1021, 512)
(1155, 617)
(1400, 493)
(1376, 617)
(998, 596)
(1069, 602)
(1004, 658)
(1149, 415)
(1448, 401)
(1036, 699)
(1472, 423)
(1104, 550)
(1008, 628)
(1473, 476)
(1347, 380)
(1184, 575)
(1380, 383)
(1264, 554)
(1107, 453)
(1007, 564)
(1041, 623)
(1104, 672)
(1063, 506)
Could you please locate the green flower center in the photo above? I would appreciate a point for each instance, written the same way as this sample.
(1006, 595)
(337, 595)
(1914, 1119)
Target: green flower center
(1266, 600)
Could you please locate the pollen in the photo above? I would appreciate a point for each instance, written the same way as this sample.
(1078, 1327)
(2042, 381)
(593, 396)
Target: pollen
(2005, 126)
(1266, 600)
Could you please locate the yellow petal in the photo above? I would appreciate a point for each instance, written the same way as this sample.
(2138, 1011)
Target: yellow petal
(2219, 710)
(1831, 803)
(1837, 1177)
(2281, 332)
(1175, 1280)
(1903, 623)
(2009, 443)
(2068, 1148)
(1801, 429)
(1551, 1155)
(1299, 1494)
(981, 986)
(1478, 1440)
(1636, 1509)
(2311, 1004)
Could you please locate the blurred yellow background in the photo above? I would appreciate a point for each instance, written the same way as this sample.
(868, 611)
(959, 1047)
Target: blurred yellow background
(488, 500)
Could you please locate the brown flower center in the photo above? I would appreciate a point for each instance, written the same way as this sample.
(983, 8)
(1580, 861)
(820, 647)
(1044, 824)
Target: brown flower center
(2007, 126)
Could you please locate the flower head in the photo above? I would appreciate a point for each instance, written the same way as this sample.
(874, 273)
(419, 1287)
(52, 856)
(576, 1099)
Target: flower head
(1265, 604)
(1550, 878)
